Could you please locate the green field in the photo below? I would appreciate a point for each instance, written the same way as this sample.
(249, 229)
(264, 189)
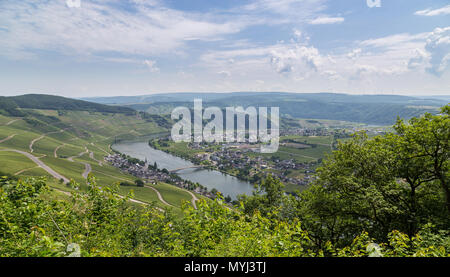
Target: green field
(172, 194)
(11, 162)
(71, 134)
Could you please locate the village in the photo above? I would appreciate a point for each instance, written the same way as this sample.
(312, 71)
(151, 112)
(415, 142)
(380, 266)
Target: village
(232, 157)
(151, 174)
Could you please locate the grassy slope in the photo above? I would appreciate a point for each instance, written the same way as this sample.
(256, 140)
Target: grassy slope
(91, 130)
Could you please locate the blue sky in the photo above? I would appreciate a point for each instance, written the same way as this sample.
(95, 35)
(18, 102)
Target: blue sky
(109, 47)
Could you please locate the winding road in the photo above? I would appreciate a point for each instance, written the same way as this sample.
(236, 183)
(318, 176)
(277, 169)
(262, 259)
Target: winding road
(59, 176)
(87, 166)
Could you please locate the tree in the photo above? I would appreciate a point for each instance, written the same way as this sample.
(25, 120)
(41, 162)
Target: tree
(100, 222)
(425, 142)
(398, 181)
(268, 199)
(228, 199)
(139, 183)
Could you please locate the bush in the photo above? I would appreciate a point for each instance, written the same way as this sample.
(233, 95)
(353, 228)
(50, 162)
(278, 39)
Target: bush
(139, 183)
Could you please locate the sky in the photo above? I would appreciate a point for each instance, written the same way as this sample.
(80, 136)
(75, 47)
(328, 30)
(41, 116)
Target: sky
(82, 48)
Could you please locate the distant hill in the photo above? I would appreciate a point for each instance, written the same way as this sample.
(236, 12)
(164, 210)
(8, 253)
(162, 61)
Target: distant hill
(51, 102)
(210, 97)
(370, 109)
(439, 97)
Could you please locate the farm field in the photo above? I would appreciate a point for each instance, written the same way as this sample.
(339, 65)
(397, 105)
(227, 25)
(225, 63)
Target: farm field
(172, 194)
(73, 139)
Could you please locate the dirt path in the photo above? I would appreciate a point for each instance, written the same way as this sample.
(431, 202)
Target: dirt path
(40, 164)
(33, 141)
(194, 199)
(23, 170)
(154, 189)
(130, 199)
(12, 121)
(91, 155)
(56, 150)
(41, 137)
(8, 138)
(99, 148)
(159, 196)
(59, 176)
(77, 156)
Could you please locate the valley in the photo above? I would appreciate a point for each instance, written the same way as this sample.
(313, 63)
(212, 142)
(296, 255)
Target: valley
(68, 145)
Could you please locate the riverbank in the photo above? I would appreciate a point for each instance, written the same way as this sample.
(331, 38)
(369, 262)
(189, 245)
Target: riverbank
(142, 170)
(213, 180)
(196, 161)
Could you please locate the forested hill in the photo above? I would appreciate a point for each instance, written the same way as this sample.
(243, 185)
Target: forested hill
(370, 109)
(51, 102)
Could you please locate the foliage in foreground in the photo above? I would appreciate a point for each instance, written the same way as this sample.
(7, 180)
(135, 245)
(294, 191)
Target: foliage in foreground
(101, 223)
(386, 196)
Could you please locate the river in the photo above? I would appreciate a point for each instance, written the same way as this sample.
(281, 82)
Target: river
(226, 184)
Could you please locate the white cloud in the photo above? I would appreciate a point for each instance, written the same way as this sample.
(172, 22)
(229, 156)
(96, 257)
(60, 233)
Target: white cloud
(99, 26)
(326, 20)
(354, 54)
(151, 65)
(397, 41)
(224, 73)
(438, 46)
(430, 12)
(295, 58)
(420, 57)
(424, 51)
(282, 11)
(208, 54)
(73, 3)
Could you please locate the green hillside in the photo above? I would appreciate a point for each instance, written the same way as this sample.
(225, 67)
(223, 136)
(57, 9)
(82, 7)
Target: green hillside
(66, 135)
(42, 101)
(369, 109)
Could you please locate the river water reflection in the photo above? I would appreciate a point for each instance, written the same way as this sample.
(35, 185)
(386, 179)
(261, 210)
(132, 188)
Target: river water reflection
(228, 185)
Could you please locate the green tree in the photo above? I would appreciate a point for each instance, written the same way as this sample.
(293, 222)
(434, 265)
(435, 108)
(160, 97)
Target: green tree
(268, 199)
(393, 182)
(139, 183)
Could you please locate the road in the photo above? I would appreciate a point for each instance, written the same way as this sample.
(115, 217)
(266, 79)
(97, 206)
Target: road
(59, 176)
(40, 164)
(87, 166)
(87, 170)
